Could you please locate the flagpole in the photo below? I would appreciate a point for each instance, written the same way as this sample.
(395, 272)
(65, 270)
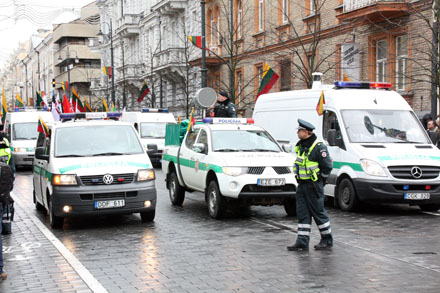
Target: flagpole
(203, 70)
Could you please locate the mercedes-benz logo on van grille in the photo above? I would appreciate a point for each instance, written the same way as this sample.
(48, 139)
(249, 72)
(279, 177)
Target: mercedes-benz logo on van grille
(416, 172)
(107, 179)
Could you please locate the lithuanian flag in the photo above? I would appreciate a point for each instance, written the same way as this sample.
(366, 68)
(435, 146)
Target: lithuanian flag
(42, 127)
(87, 106)
(4, 107)
(76, 101)
(144, 91)
(320, 105)
(107, 71)
(104, 105)
(196, 41)
(18, 101)
(267, 80)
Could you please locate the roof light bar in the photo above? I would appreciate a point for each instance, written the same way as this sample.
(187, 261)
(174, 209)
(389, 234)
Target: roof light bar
(146, 110)
(363, 85)
(90, 115)
(228, 120)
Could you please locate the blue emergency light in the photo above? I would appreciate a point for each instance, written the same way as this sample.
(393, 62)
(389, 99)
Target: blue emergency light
(147, 110)
(362, 85)
(228, 120)
(90, 115)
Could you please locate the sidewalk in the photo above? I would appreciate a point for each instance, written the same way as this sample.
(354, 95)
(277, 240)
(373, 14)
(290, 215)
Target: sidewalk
(32, 262)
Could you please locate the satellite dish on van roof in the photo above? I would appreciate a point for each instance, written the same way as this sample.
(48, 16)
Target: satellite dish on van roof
(205, 97)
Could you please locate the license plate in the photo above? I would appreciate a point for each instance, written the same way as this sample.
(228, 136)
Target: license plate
(271, 182)
(109, 204)
(422, 195)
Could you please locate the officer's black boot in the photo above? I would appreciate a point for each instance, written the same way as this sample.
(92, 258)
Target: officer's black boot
(298, 247)
(325, 243)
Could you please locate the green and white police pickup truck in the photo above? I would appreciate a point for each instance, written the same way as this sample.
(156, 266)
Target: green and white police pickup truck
(231, 161)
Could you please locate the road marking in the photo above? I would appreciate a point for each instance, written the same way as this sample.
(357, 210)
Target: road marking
(432, 213)
(80, 269)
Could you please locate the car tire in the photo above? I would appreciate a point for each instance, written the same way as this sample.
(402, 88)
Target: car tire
(148, 216)
(429, 207)
(55, 221)
(176, 191)
(216, 202)
(290, 207)
(38, 206)
(347, 198)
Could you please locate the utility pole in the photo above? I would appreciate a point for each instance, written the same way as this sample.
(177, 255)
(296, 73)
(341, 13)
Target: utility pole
(434, 61)
(203, 70)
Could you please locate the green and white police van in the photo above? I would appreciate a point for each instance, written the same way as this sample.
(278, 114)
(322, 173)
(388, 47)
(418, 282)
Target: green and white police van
(232, 162)
(89, 164)
(380, 151)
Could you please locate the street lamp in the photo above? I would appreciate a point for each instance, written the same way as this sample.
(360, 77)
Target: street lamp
(68, 66)
(110, 35)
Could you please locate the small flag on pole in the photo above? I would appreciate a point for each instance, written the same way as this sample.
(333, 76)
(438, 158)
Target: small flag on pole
(87, 106)
(196, 41)
(4, 107)
(42, 127)
(104, 105)
(107, 71)
(320, 105)
(18, 101)
(191, 120)
(268, 79)
(144, 91)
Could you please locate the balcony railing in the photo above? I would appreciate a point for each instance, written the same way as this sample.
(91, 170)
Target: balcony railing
(169, 57)
(350, 5)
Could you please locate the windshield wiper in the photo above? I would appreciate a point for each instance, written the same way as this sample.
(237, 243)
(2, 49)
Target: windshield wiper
(226, 150)
(108, 154)
(70, 155)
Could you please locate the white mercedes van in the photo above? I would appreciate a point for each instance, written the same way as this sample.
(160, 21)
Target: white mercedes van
(380, 151)
(21, 130)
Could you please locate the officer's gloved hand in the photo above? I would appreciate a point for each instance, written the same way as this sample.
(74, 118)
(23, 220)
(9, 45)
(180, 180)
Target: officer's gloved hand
(323, 179)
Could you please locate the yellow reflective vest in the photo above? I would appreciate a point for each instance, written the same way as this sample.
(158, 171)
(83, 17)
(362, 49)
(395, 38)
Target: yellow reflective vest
(6, 151)
(303, 167)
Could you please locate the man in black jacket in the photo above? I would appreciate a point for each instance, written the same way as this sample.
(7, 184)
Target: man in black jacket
(225, 107)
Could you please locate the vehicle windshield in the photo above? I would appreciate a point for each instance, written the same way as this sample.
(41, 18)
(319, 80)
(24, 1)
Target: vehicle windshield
(96, 140)
(243, 140)
(153, 129)
(25, 131)
(383, 126)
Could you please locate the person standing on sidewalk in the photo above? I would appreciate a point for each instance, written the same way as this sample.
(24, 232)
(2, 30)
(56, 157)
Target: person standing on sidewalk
(312, 168)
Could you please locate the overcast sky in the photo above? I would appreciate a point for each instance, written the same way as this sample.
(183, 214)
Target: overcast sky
(19, 19)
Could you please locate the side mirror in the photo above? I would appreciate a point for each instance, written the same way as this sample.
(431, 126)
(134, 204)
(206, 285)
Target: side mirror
(199, 147)
(287, 147)
(331, 137)
(151, 149)
(39, 154)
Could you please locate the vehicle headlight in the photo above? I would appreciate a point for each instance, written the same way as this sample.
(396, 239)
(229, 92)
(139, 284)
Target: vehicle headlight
(234, 171)
(20, 150)
(372, 168)
(64, 179)
(146, 174)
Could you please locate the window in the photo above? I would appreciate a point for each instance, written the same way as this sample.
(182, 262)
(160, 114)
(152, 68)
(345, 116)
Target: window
(203, 137)
(330, 121)
(191, 138)
(401, 61)
(381, 60)
(260, 15)
(312, 6)
(239, 78)
(239, 19)
(217, 24)
(285, 75)
(285, 10)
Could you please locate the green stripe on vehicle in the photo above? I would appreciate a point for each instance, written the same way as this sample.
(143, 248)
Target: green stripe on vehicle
(354, 166)
(408, 157)
(192, 164)
(104, 165)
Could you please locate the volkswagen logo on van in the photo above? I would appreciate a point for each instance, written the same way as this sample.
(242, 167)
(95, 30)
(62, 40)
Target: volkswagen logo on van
(416, 172)
(107, 179)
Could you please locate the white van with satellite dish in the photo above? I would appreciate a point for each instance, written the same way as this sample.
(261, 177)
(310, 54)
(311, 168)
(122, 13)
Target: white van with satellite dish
(380, 151)
(151, 123)
(21, 130)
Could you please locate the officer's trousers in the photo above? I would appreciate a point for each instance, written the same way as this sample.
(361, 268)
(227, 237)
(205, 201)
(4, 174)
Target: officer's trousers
(310, 204)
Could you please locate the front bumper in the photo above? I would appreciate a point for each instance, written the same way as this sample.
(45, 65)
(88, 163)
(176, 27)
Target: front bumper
(393, 191)
(23, 159)
(82, 198)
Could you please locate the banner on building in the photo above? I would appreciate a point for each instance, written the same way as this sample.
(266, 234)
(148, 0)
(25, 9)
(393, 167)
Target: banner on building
(350, 62)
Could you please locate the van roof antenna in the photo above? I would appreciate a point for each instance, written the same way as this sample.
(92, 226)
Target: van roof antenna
(317, 80)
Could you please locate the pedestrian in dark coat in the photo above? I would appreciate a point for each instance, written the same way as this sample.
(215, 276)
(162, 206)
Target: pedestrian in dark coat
(225, 107)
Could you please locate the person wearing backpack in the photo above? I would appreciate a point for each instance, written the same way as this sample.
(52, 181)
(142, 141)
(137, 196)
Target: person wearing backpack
(6, 185)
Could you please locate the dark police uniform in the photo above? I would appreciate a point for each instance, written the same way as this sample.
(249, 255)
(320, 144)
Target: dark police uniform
(226, 108)
(312, 166)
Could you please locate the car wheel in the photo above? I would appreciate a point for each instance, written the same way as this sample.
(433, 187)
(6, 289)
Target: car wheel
(429, 207)
(216, 202)
(176, 191)
(290, 207)
(38, 206)
(55, 221)
(347, 198)
(148, 216)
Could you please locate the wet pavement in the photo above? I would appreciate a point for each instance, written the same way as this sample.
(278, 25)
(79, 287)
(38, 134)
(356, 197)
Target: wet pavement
(381, 249)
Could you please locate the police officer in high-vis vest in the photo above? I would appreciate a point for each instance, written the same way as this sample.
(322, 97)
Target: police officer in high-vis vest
(312, 168)
(5, 150)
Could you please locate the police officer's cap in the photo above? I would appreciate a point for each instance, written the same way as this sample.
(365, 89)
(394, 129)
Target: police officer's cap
(305, 125)
(224, 94)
